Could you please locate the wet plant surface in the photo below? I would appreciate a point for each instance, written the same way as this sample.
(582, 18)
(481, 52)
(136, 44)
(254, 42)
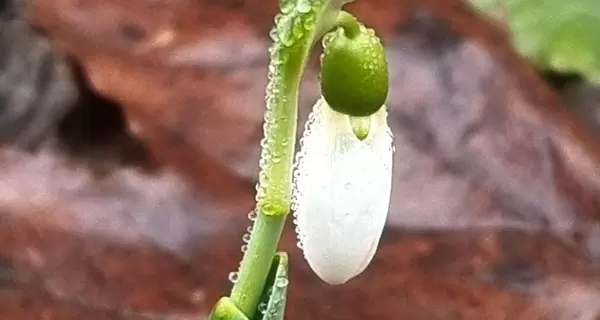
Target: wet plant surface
(139, 215)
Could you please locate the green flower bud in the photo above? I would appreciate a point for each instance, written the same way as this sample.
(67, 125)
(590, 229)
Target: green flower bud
(354, 71)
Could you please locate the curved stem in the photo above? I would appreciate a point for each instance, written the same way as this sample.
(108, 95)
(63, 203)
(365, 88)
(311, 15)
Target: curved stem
(278, 145)
(349, 23)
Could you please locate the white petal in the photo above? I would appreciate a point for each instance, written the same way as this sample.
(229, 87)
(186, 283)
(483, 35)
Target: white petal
(342, 192)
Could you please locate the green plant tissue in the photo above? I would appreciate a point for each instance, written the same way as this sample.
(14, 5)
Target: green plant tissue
(558, 35)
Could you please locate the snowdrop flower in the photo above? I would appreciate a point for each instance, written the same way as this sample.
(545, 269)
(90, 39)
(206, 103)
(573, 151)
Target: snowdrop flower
(343, 171)
(342, 187)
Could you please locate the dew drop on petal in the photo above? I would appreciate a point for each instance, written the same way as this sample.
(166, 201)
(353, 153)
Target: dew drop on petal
(341, 193)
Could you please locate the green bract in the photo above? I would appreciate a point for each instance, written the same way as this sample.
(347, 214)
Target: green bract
(354, 74)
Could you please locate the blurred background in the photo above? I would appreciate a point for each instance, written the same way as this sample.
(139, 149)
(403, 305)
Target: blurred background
(129, 147)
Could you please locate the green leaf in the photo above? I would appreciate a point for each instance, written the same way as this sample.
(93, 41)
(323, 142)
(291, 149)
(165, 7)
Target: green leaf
(225, 309)
(554, 34)
(273, 300)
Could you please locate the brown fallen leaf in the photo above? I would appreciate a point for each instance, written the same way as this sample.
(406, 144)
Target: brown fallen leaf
(36, 87)
(118, 242)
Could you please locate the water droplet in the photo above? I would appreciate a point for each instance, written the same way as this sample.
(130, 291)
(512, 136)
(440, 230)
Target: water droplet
(282, 58)
(276, 160)
(249, 229)
(281, 282)
(273, 34)
(298, 28)
(303, 6)
(300, 245)
(273, 313)
(309, 22)
(276, 60)
(327, 39)
(233, 277)
(262, 163)
(246, 237)
(262, 307)
(285, 32)
(244, 248)
(278, 18)
(263, 143)
(286, 5)
(252, 215)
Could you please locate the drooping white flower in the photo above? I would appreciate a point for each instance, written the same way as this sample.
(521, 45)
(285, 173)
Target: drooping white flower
(341, 194)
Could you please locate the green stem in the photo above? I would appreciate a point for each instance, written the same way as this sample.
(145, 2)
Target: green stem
(349, 23)
(274, 191)
(257, 261)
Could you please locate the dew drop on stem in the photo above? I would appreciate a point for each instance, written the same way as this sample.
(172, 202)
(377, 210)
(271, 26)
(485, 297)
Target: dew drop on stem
(281, 282)
(309, 22)
(246, 237)
(303, 6)
(273, 34)
(262, 307)
(252, 215)
(233, 277)
(286, 5)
